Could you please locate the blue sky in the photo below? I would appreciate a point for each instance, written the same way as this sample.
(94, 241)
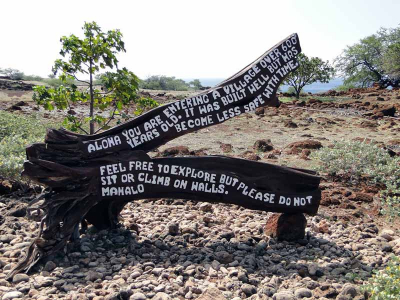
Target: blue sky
(188, 39)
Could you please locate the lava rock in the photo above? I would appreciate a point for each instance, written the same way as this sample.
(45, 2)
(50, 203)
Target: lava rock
(290, 124)
(12, 295)
(226, 148)
(303, 293)
(263, 145)
(177, 150)
(161, 296)
(49, 266)
(20, 278)
(173, 228)
(138, 296)
(286, 227)
(248, 289)
(212, 294)
(285, 295)
(297, 147)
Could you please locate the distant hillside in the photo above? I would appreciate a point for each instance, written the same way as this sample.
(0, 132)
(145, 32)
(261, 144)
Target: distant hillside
(313, 88)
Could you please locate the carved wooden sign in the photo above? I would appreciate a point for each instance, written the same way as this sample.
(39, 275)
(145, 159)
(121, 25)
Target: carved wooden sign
(252, 87)
(93, 177)
(214, 179)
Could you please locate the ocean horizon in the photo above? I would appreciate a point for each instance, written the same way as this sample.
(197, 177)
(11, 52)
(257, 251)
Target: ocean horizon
(316, 87)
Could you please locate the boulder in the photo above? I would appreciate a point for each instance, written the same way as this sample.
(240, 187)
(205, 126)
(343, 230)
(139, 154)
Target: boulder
(248, 289)
(388, 111)
(250, 156)
(283, 295)
(297, 147)
(259, 111)
(313, 100)
(12, 295)
(212, 294)
(303, 293)
(177, 150)
(224, 257)
(286, 227)
(161, 296)
(263, 145)
(226, 148)
(290, 124)
(173, 228)
(362, 197)
(20, 278)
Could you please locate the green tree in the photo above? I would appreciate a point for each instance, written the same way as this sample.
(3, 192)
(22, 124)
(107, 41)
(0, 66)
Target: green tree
(87, 57)
(310, 70)
(12, 73)
(375, 58)
(196, 84)
(391, 59)
(166, 83)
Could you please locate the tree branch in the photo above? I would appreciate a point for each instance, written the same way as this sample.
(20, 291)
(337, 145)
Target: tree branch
(79, 79)
(106, 93)
(109, 120)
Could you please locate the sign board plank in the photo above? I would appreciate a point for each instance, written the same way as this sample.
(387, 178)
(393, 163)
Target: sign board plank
(252, 87)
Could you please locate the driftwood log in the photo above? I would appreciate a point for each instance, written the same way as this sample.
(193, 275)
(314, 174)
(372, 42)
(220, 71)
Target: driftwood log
(92, 177)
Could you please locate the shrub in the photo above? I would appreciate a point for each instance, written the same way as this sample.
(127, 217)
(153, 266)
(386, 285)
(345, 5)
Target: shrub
(12, 155)
(16, 133)
(345, 87)
(292, 91)
(32, 78)
(157, 82)
(356, 160)
(12, 73)
(386, 283)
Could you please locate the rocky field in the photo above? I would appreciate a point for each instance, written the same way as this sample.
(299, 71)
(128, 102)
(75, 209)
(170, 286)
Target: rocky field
(178, 249)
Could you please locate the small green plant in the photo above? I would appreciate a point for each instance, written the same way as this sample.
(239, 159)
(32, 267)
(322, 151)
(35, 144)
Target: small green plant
(359, 160)
(352, 277)
(385, 284)
(16, 133)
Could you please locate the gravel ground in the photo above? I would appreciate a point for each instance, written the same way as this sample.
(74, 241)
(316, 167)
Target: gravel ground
(189, 250)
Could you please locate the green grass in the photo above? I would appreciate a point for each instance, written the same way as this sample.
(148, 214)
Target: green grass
(354, 161)
(286, 99)
(16, 133)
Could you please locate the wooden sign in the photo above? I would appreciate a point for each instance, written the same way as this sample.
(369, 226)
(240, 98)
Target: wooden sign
(93, 177)
(252, 87)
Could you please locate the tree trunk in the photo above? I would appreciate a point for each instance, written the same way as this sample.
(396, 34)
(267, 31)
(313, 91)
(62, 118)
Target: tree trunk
(297, 93)
(91, 98)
